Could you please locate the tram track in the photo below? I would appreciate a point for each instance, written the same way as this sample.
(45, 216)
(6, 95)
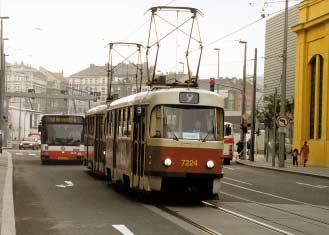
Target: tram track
(205, 229)
(278, 209)
(261, 224)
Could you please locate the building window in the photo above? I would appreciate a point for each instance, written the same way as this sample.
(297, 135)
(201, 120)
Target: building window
(316, 93)
(320, 97)
(312, 95)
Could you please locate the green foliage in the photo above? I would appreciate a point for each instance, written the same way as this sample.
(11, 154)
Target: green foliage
(265, 114)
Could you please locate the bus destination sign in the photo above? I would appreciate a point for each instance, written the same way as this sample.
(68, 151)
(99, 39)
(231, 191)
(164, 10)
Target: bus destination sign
(62, 119)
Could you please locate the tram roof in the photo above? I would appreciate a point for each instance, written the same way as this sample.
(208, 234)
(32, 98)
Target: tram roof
(164, 96)
(97, 109)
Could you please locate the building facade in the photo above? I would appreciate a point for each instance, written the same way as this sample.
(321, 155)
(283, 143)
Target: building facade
(274, 50)
(311, 116)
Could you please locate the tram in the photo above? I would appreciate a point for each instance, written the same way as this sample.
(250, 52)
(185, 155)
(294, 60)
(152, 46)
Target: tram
(228, 143)
(163, 140)
(61, 138)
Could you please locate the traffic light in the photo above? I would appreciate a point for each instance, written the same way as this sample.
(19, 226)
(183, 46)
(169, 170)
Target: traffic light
(212, 84)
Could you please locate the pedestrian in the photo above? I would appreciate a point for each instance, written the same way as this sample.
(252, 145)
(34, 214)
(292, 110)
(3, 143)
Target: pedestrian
(305, 150)
(248, 147)
(295, 157)
(239, 148)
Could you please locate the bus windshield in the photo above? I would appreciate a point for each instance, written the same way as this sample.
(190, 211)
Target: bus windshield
(63, 134)
(187, 122)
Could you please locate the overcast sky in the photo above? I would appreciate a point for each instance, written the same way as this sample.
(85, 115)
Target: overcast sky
(70, 35)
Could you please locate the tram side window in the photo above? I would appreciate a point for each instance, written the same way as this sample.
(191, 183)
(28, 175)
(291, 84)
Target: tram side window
(119, 123)
(124, 122)
(112, 123)
(156, 129)
(129, 121)
(220, 124)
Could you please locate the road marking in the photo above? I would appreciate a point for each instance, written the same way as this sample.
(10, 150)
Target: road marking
(313, 186)
(19, 154)
(231, 168)
(242, 182)
(248, 219)
(32, 154)
(122, 229)
(272, 195)
(67, 184)
(8, 213)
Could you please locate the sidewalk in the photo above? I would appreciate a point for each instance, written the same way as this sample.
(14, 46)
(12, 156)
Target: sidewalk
(7, 214)
(3, 172)
(260, 162)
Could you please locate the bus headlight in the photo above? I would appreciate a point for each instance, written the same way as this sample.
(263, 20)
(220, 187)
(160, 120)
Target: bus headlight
(210, 164)
(167, 162)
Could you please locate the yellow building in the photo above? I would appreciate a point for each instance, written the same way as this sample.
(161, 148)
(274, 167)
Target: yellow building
(311, 116)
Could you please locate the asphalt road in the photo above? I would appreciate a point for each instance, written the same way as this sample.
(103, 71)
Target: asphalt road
(65, 199)
(90, 206)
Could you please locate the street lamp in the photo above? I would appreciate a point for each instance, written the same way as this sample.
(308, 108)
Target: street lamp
(217, 49)
(243, 110)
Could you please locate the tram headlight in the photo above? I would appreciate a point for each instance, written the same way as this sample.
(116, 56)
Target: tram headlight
(167, 162)
(210, 164)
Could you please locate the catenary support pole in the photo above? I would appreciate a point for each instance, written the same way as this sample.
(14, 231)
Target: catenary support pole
(243, 109)
(253, 122)
(282, 134)
(274, 128)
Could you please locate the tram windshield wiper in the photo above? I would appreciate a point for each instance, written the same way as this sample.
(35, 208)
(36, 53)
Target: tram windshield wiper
(171, 131)
(205, 138)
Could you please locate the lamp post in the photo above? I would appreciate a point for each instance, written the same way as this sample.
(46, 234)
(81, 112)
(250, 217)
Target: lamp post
(217, 49)
(243, 109)
(3, 123)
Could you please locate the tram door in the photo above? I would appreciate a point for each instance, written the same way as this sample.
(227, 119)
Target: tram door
(139, 142)
(98, 145)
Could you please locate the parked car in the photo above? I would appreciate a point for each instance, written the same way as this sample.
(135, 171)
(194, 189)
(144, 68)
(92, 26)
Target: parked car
(29, 144)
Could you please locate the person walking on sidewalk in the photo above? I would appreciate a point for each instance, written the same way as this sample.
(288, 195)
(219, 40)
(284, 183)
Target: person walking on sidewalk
(294, 157)
(305, 150)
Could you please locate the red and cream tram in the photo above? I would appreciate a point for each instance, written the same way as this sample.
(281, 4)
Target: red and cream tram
(61, 137)
(160, 140)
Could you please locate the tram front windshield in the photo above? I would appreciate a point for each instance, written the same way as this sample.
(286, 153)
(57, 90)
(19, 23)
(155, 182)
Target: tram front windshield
(63, 134)
(187, 122)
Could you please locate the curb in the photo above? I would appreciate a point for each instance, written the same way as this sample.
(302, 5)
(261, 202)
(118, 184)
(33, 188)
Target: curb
(8, 213)
(284, 171)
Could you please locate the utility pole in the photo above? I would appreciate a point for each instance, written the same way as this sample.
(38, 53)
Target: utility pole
(282, 133)
(243, 110)
(274, 128)
(252, 145)
(217, 49)
(20, 119)
(3, 123)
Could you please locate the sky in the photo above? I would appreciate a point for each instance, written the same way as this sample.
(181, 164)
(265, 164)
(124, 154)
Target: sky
(69, 35)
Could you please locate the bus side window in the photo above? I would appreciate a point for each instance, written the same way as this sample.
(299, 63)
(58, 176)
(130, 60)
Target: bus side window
(228, 130)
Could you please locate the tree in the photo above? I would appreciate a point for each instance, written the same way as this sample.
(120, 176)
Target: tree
(266, 113)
